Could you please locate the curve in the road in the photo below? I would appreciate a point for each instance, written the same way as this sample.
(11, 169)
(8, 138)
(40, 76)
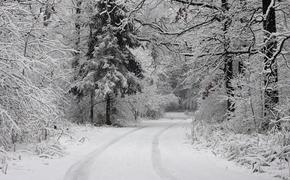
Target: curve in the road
(162, 172)
(79, 171)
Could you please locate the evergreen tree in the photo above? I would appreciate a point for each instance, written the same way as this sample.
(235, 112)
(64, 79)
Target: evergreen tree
(110, 69)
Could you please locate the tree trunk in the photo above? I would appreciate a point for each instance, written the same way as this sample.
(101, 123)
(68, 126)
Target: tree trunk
(75, 62)
(108, 110)
(228, 61)
(92, 106)
(91, 43)
(136, 115)
(228, 83)
(271, 93)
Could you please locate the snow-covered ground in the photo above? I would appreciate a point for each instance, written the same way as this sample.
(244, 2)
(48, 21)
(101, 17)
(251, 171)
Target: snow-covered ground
(152, 151)
(83, 141)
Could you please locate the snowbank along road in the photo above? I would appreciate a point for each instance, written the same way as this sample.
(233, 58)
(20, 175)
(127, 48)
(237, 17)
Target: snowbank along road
(157, 150)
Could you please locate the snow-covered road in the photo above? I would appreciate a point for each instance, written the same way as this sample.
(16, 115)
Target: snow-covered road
(157, 150)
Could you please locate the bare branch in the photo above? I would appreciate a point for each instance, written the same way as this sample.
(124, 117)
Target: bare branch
(200, 4)
(137, 8)
(222, 53)
(163, 32)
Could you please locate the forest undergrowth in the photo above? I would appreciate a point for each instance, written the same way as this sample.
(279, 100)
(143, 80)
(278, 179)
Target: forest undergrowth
(50, 144)
(261, 152)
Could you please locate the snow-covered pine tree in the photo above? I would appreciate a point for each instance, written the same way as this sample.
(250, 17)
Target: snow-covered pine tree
(110, 68)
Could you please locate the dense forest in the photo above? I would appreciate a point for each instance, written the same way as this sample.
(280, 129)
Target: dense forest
(113, 62)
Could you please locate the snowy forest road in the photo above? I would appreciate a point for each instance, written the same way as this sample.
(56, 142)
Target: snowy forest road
(157, 150)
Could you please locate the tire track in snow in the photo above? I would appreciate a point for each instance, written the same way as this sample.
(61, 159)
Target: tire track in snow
(156, 157)
(80, 170)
